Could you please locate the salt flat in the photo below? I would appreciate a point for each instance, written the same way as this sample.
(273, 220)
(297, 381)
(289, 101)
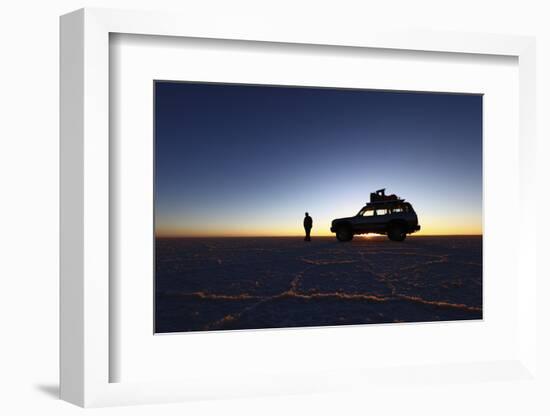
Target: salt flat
(244, 283)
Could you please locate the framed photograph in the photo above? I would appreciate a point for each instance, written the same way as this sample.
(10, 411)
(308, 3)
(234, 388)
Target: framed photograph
(270, 212)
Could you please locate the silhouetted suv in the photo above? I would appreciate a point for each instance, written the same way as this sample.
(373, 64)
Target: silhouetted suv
(384, 214)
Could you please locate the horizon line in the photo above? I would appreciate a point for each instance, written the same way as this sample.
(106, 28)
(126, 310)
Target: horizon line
(301, 236)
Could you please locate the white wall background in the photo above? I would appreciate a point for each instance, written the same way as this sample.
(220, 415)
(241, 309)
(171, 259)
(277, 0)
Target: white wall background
(29, 205)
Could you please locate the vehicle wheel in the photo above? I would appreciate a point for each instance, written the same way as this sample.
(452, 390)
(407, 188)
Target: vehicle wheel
(344, 234)
(396, 233)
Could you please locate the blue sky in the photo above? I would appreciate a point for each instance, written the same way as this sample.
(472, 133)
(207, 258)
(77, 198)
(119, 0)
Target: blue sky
(235, 159)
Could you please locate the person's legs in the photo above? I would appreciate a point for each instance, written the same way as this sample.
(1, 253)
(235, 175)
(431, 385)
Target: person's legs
(308, 236)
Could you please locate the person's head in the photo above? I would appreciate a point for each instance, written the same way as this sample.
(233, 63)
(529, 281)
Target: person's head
(307, 214)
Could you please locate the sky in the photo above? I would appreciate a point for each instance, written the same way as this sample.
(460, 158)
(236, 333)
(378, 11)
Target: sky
(250, 160)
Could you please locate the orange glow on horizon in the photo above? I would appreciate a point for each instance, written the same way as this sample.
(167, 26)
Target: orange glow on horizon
(299, 233)
(436, 226)
(466, 225)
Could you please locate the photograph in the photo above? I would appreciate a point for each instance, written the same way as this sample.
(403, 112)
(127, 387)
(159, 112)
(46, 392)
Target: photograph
(279, 206)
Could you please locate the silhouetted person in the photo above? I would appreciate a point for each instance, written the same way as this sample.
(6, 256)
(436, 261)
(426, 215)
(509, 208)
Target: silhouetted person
(308, 223)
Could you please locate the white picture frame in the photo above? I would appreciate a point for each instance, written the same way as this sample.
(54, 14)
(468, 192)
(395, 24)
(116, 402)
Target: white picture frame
(85, 213)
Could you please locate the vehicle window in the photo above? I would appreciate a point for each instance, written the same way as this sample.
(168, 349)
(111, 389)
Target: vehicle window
(368, 213)
(383, 211)
(397, 210)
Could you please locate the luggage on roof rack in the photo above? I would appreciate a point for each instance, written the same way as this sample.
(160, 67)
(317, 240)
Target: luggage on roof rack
(380, 196)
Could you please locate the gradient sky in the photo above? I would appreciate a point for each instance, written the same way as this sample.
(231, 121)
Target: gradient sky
(234, 160)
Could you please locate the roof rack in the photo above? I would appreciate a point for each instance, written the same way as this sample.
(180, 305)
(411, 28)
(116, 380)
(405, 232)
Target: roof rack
(380, 196)
(393, 201)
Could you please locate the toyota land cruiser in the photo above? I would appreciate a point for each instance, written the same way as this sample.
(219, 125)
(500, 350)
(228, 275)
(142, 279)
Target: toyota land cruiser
(384, 214)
